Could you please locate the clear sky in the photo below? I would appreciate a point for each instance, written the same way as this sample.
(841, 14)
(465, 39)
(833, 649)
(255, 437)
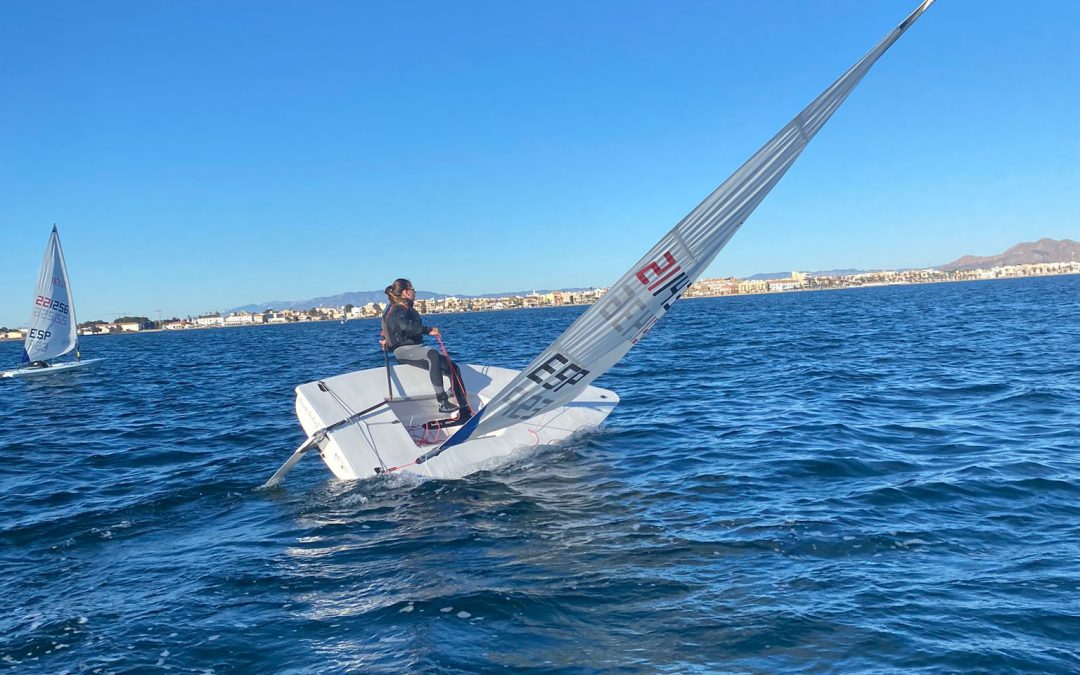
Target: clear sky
(202, 155)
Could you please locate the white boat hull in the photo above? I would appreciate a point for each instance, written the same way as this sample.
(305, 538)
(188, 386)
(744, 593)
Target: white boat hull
(55, 368)
(392, 435)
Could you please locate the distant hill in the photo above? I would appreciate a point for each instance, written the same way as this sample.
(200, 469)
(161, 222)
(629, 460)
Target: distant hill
(357, 298)
(767, 276)
(360, 298)
(540, 291)
(1027, 253)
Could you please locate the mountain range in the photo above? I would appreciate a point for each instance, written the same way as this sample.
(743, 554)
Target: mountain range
(1027, 253)
(1041, 251)
(360, 298)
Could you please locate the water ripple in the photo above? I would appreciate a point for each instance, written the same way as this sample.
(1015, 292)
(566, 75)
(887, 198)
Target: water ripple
(882, 479)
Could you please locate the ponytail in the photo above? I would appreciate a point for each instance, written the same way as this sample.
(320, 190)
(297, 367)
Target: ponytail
(394, 291)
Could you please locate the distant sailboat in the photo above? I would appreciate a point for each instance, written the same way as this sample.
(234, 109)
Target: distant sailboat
(53, 327)
(364, 424)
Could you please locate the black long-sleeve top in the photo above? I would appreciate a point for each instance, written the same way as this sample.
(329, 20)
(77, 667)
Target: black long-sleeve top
(402, 326)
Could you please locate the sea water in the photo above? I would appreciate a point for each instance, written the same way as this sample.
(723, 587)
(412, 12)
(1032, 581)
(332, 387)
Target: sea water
(882, 479)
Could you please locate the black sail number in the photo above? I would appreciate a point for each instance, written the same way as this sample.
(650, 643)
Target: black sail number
(552, 375)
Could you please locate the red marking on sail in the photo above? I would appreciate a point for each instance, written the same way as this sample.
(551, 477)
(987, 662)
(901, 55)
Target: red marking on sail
(660, 282)
(665, 272)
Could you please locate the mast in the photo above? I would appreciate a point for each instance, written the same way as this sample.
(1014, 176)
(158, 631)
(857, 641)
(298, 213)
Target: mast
(71, 295)
(601, 336)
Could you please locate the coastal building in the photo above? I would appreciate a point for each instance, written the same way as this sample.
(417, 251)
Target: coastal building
(782, 285)
(97, 329)
(243, 319)
(238, 319)
(753, 286)
(704, 288)
(369, 310)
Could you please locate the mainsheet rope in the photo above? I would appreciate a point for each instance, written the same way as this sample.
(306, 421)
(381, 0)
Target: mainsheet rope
(455, 376)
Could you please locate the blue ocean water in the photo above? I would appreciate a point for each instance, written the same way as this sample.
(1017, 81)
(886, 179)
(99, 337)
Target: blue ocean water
(881, 479)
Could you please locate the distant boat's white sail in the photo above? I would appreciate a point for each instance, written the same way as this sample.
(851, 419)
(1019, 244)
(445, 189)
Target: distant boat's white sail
(53, 328)
(630, 308)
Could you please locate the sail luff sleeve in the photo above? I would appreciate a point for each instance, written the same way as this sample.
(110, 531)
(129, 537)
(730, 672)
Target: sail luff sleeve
(73, 323)
(625, 314)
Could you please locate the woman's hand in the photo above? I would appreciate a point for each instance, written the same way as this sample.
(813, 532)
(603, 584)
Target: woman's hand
(434, 331)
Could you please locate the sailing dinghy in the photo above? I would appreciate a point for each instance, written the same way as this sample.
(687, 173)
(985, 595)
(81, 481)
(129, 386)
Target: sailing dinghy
(365, 424)
(53, 328)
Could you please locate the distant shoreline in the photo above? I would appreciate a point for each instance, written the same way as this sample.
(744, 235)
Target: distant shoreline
(513, 309)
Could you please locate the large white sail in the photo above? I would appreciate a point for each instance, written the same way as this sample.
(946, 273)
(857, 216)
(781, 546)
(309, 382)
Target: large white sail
(630, 308)
(53, 328)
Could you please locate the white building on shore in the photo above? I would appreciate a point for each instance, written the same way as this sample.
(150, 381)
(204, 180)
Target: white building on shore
(243, 319)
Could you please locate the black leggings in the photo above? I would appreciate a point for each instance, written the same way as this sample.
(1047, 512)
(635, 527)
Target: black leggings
(437, 365)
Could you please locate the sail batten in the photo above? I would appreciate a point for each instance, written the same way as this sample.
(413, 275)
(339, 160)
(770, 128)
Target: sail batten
(601, 336)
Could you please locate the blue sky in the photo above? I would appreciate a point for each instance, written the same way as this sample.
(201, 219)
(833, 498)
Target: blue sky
(203, 155)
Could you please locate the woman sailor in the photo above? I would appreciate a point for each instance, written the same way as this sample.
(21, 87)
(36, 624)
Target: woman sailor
(403, 334)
